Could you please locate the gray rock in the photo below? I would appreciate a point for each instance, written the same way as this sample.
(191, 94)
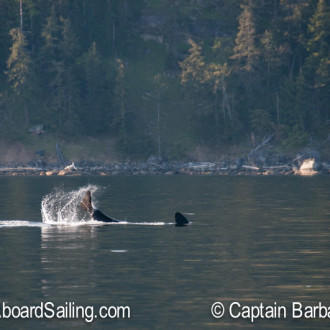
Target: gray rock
(309, 167)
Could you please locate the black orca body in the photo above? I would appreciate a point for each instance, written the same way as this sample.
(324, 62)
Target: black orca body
(86, 205)
(99, 216)
(180, 220)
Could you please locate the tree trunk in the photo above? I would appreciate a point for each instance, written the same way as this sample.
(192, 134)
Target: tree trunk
(158, 122)
(26, 111)
(21, 14)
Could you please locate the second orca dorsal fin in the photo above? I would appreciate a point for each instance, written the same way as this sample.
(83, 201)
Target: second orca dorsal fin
(86, 202)
(180, 219)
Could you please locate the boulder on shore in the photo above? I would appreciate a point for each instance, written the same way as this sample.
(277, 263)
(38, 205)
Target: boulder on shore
(309, 167)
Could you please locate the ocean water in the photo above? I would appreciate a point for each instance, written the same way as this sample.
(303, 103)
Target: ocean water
(253, 244)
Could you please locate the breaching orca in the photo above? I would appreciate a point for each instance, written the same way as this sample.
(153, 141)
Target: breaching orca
(86, 205)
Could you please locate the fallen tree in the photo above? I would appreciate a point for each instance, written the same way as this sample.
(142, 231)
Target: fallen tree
(252, 153)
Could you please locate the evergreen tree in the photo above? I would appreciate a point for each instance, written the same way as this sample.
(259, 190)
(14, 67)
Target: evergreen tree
(246, 63)
(245, 51)
(271, 56)
(317, 68)
(68, 49)
(270, 84)
(19, 70)
(208, 80)
(159, 87)
(318, 44)
(58, 56)
(121, 117)
(120, 95)
(8, 19)
(95, 93)
(193, 79)
(51, 69)
(292, 28)
(192, 67)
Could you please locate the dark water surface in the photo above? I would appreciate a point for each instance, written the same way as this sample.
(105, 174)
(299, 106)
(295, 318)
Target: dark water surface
(252, 240)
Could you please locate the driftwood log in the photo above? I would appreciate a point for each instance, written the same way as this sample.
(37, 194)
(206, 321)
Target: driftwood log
(263, 143)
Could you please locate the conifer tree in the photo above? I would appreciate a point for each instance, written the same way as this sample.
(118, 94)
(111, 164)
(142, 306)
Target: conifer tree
(208, 80)
(270, 54)
(158, 87)
(246, 61)
(192, 67)
(51, 70)
(120, 94)
(318, 44)
(121, 117)
(245, 51)
(95, 92)
(317, 67)
(58, 55)
(68, 51)
(192, 77)
(19, 69)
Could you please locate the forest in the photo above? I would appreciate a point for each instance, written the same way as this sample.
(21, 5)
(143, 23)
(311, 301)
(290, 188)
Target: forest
(166, 77)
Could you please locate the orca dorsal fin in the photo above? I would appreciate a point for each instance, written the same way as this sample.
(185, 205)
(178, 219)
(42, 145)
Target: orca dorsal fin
(86, 202)
(180, 219)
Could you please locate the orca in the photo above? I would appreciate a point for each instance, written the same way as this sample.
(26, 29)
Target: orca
(86, 205)
(180, 220)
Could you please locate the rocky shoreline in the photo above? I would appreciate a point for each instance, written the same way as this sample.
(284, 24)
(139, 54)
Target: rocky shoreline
(308, 166)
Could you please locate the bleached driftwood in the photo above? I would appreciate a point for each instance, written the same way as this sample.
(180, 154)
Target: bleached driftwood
(248, 167)
(19, 169)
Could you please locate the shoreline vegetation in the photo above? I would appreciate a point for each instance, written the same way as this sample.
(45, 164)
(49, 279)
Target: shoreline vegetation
(307, 167)
(98, 157)
(171, 168)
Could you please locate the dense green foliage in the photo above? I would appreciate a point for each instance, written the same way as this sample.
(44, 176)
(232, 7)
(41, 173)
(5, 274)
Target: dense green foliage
(162, 77)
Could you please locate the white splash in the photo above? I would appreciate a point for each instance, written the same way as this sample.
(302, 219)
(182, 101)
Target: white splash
(20, 223)
(63, 207)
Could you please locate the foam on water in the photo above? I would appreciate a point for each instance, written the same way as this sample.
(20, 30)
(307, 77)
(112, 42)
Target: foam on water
(20, 223)
(63, 207)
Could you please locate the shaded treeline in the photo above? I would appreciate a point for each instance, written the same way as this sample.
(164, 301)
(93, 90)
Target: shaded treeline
(165, 76)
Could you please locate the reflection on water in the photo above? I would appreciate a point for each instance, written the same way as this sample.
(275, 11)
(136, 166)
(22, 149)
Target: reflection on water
(61, 252)
(252, 240)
